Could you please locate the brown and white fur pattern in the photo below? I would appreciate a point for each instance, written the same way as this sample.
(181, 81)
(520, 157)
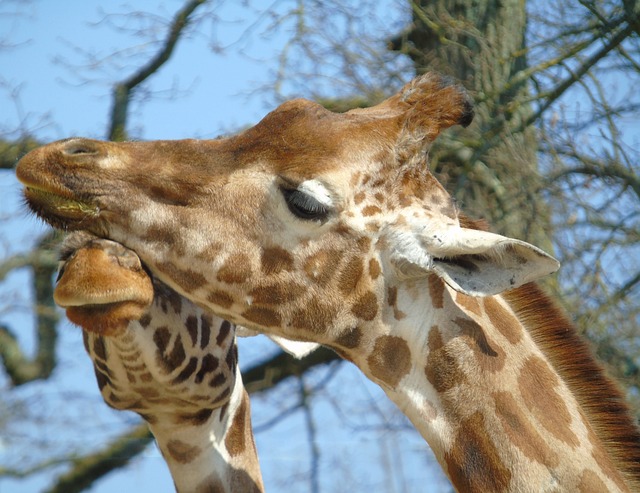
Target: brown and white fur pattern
(161, 356)
(330, 228)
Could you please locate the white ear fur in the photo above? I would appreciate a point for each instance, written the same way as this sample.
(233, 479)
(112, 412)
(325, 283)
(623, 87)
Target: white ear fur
(476, 263)
(297, 349)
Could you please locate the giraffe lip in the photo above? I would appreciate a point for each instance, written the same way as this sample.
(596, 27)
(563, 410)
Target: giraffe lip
(94, 301)
(59, 208)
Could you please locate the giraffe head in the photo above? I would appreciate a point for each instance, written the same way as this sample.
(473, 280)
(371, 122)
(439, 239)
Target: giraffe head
(300, 226)
(111, 290)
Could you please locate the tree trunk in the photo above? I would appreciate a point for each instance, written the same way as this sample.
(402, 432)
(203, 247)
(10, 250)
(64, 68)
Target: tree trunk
(491, 167)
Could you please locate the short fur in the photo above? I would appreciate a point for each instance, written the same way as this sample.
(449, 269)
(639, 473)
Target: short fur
(601, 399)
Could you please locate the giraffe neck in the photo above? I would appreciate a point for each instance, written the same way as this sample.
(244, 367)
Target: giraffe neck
(488, 400)
(203, 432)
(177, 368)
(217, 455)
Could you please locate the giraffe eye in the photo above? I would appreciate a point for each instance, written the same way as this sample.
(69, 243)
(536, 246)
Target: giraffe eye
(304, 206)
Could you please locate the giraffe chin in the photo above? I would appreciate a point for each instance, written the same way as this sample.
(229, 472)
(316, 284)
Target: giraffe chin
(108, 320)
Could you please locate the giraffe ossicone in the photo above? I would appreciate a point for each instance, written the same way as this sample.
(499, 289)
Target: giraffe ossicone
(329, 228)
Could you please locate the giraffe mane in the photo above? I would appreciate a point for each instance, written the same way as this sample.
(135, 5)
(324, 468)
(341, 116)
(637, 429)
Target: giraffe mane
(597, 394)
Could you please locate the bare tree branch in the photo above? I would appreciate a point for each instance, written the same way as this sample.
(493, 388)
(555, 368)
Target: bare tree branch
(553, 95)
(86, 470)
(311, 433)
(261, 377)
(12, 151)
(19, 367)
(122, 91)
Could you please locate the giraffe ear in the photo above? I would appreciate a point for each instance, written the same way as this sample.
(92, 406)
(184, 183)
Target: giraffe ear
(476, 263)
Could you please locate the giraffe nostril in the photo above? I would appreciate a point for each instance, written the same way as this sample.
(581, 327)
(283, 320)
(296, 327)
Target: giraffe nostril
(80, 147)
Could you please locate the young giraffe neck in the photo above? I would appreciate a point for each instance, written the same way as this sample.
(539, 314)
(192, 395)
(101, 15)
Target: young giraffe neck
(482, 385)
(175, 365)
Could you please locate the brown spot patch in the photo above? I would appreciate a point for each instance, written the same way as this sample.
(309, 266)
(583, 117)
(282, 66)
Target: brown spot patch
(265, 317)
(469, 303)
(161, 235)
(442, 369)
(217, 380)
(187, 279)
(276, 294)
(366, 306)
(144, 321)
(220, 298)
(211, 252)
(537, 385)
(322, 265)
(350, 338)
(392, 301)
(223, 332)
(274, 260)
(187, 371)
(521, 431)
(99, 348)
(489, 355)
(364, 244)
(591, 483)
(374, 269)
(236, 269)
(315, 316)
(231, 359)
(473, 462)
(390, 359)
(168, 360)
(505, 322)
(195, 419)
(358, 198)
(191, 325)
(350, 275)
(371, 210)
(205, 331)
(182, 452)
(209, 365)
(212, 484)
(236, 439)
(436, 291)
(174, 299)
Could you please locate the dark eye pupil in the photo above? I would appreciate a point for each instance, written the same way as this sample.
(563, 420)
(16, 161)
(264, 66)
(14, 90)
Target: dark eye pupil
(303, 205)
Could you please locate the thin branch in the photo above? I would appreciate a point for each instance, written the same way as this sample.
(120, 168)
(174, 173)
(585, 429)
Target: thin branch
(12, 151)
(607, 171)
(553, 95)
(310, 424)
(263, 376)
(115, 455)
(122, 91)
(282, 366)
(19, 367)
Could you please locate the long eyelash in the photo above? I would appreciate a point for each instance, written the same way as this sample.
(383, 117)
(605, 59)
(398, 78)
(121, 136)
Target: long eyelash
(303, 205)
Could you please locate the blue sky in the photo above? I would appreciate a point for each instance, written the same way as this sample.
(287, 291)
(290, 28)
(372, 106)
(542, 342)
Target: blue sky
(217, 95)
